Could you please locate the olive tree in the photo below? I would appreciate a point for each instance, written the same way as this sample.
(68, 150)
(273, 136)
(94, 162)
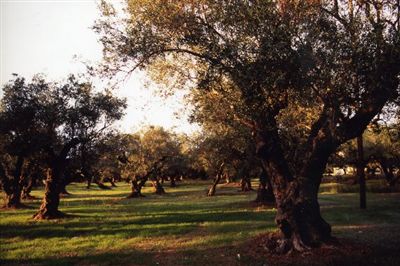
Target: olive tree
(338, 58)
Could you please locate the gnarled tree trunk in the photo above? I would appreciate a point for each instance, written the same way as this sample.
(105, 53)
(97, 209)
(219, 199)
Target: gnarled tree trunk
(51, 200)
(13, 187)
(27, 188)
(299, 218)
(136, 188)
(298, 212)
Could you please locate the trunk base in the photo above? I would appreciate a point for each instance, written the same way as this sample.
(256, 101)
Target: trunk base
(245, 185)
(160, 191)
(276, 243)
(13, 201)
(211, 191)
(45, 214)
(28, 197)
(158, 188)
(135, 195)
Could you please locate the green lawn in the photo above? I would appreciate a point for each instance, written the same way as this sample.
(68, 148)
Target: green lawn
(183, 227)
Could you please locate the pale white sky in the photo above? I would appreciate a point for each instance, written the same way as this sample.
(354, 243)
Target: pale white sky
(42, 36)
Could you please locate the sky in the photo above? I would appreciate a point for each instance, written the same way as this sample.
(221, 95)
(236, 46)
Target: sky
(54, 36)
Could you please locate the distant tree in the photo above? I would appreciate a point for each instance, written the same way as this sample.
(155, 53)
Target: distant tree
(152, 153)
(99, 159)
(20, 134)
(52, 118)
(73, 115)
(33, 175)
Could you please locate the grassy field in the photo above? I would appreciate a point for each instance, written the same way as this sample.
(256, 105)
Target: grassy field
(183, 227)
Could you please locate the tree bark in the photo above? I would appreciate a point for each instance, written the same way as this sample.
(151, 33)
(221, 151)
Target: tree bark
(136, 188)
(217, 179)
(298, 212)
(51, 200)
(13, 187)
(63, 187)
(388, 171)
(361, 172)
(27, 188)
(265, 195)
(158, 188)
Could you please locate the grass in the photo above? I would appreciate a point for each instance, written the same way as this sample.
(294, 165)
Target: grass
(183, 227)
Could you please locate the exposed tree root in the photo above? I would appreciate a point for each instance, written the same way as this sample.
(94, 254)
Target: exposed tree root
(276, 244)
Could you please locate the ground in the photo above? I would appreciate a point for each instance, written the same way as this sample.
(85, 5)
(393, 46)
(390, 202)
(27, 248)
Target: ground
(184, 227)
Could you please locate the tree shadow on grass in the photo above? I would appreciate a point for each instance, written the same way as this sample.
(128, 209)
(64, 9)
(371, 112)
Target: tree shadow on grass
(250, 252)
(166, 224)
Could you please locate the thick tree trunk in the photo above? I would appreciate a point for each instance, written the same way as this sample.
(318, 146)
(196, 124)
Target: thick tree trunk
(63, 188)
(51, 200)
(265, 195)
(299, 219)
(298, 213)
(158, 188)
(361, 172)
(245, 184)
(13, 188)
(136, 189)
(27, 189)
(13, 200)
(388, 172)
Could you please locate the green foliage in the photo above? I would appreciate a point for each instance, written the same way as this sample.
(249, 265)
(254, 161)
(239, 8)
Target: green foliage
(42, 121)
(154, 147)
(304, 69)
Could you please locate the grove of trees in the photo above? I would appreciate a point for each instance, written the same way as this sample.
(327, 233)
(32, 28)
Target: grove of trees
(307, 75)
(280, 88)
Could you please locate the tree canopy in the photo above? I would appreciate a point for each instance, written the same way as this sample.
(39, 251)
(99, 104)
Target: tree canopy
(336, 59)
